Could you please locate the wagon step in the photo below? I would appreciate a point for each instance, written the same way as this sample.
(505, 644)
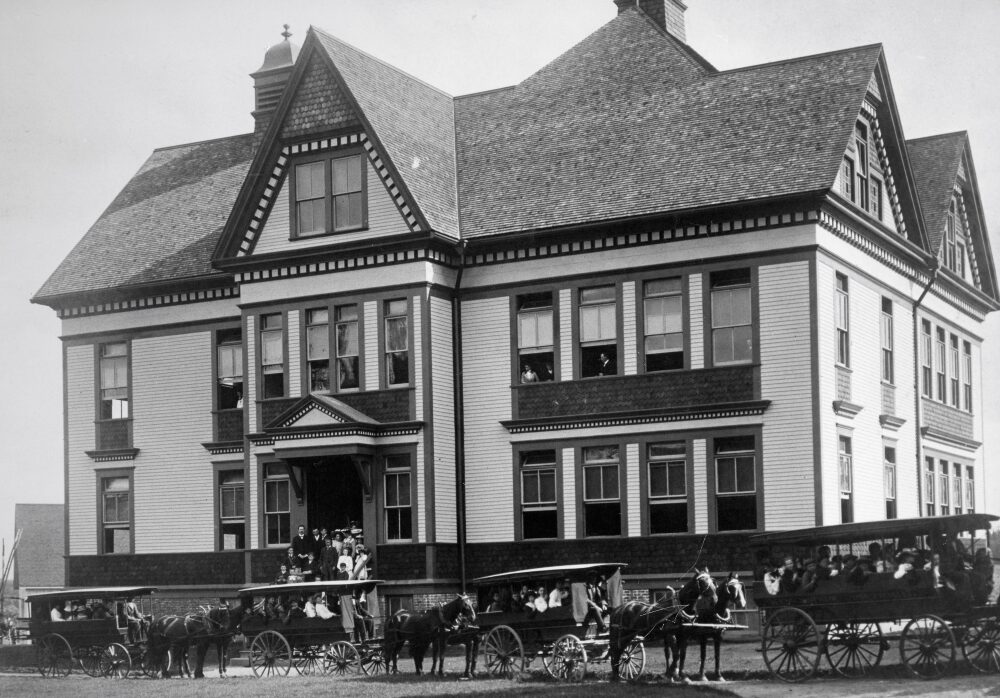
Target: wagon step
(241, 660)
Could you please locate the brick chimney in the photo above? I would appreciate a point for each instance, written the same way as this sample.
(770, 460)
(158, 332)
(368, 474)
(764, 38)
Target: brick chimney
(269, 82)
(669, 14)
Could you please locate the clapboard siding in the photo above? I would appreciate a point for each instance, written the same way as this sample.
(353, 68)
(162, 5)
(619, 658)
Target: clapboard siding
(417, 376)
(569, 492)
(786, 380)
(907, 499)
(294, 359)
(383, 219)
(172, 392)
(826, 345)
(699, 449)
(633, 501)
(372, 352)
(82, 484)
(696, 319)
(144, 318)
(250, 371)
(629, 331)
(487, 378)
(565, 334)
(442, 380)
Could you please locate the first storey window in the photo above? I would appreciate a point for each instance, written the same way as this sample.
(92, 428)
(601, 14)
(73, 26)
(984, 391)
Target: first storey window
(398, 511)
(116, 514)
(889, 480)
(348, 344)
(229, 352)
(535, 341)
(114, 381)
(318, 349)
(970, 489)
(272, 354)
(601, 493)
(888, 358)
(598, 331)
(736, 483)
(232, 517)
(277, 505)
(846, 463)
(539, 510)
(842, 319)
(666, 464)
(732, 319)
(397, 343)
(929, 486)
(663, 316)
(330, 195)
(943, 489)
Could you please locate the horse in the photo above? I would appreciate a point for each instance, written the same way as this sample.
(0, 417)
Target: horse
(423, 629)
(649, 621)
(712, 605)
(168, 644)
(462, 633)
(219, 625)
(174, 635)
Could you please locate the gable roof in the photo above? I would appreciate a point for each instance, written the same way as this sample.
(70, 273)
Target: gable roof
(935, 162)
(163, 225)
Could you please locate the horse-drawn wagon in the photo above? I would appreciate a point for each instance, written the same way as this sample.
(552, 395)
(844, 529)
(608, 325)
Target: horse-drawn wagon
(100, 629)
(280, 637)
(859, 580)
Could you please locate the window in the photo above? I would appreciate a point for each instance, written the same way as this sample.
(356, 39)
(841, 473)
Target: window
(601, 498)
(318, 349)
(876, 200)
(967, 376)
(230, 369)
(277, 505)
(732, 323)
(663, 313)
(398, 510)
(956, 488)
(535, 337)
(330, 195)
(397, 343)
(842, 310)
(970, 490)
(847, 179)
(943, 488)
(736, 483)
(926, 370)
(348, 343)
(929, 485)
(116, 514)
(272, 354)
(666, 465)
(948, 245)
(953, 371)
(941, 367)
(888, 359)
(114, 381)
(846, 459)
(598, 331)
(232, 519)
(861, 173)
(539, 515)
(889, 480)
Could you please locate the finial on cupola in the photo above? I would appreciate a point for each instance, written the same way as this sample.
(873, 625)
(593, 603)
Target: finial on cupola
(286, 33)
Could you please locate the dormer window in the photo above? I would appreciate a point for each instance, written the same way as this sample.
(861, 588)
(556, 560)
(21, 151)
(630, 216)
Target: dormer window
(952, 252)
(860, 183)
(330, 196)
(861, 166)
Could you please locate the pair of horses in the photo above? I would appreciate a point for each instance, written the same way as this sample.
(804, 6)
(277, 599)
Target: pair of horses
(700, 601)
(451, 623)
(170, 638)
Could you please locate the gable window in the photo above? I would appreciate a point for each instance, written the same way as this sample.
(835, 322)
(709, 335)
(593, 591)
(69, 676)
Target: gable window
(114, 381)
(926, 354)
(116, 514)
(847, 179)
(277, 505)
(967, 376)
(229, 353)
(941, 366)
(846, 460)
(663, 316)
(929, 485)
(348, 344)
(953, 372)
(861, 169)
(948, 247)
(272, 355)
(842, 318)
(601, 493)
(535, 341)
(330, 195)
(876, 199)
(318, 348)
(398, 510)
(888, 358)
(598, 331)
(397, 343)
(735, 483)
(889, 480)
(539, 501)
(732, 323)
(666, 465)
(232, 516)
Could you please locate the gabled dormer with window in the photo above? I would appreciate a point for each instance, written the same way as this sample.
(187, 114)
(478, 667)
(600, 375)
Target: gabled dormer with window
(865, 179)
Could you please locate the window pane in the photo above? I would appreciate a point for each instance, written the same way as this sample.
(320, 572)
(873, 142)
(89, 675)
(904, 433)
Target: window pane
(590, 324)
(547, 486)
(395, 334)
(722, 345)
(603, 519)
(348, 373)
(544, 328)
(318, 339)
(355, 216)
(609, 329)
(273, 348)
(403, 484)
(742, 343)
(722, 309)
(668, 518)
(529, 486)
(657, 479)
(539, 523)
(347, 339)
(677, 479)
(595, 295)
(609, 476)
(745, 474)
(655, 315)
(726, 468)
(340, 176)
(600, 453)
(592, 483)
(741, 306)
(527, 330)
(663, 286)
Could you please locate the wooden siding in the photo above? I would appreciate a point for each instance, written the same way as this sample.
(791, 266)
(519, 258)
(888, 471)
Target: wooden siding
(443, 381)
(696, 321)
(82, 485)
(907, 500)
(633, 498)
(182, 313)
(699, 459)
(569, 492)
(372, 352)
(417, 376)
(630, 358)
(293, 361)
(827, 374)
(487, 378)
(279, 289)
(250, 371)
(383, 219)
(786, 380)
(565, 334)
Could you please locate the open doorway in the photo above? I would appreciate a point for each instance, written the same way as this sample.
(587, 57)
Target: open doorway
(334, 494)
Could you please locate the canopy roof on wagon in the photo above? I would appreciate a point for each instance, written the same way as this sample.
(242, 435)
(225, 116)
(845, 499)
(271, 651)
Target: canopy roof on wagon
(92, 593)
(333, 586)
(875, 530)
(574, 572)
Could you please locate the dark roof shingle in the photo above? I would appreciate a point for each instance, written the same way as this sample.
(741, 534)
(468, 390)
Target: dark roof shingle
(934, 161)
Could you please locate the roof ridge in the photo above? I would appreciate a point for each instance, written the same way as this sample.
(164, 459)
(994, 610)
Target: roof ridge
(960, 132)
(485, 92)
(378, 60)
(202, 142)
(800, 58)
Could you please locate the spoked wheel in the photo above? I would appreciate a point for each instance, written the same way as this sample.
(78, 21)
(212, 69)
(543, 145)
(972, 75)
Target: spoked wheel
(569, 659)
(854, 649)
(633, 660)
(308, 659)
(503, 652)
(373, 661)
(55, 657)
(341, 659)
(981, 645)
(270, 654)
(927, 647)
(90, 660)
(115, 661)
(154, 665)
(791, 645)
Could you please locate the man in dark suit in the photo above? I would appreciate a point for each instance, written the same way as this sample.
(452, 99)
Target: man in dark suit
(301, 547)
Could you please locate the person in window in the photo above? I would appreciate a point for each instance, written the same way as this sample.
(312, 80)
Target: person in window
(528, 606)
(559, 595)
(56, 613)
(547, 374)
(528, 374)
(790, 578)
(322, 609)
(608, 367)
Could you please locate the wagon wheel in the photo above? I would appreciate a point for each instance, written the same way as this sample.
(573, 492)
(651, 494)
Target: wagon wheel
(90, 660)
(927, 647)
(503, 652)
(633, 660)
(55, 657)
(982, 645)
(154, 664)
(373, 661)
(854, 649)
(791, 645)
(308, 659)
(341, 659)
(115, 661)
(569, 659)
(270, 654)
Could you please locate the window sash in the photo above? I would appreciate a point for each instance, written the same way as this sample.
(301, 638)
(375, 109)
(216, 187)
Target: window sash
(600, 483)
(396, 334)
(534, 329)
(318, 342)
(889, 480)
(272, 350)
(736, 474)
(667, 479)
(230, 361)
(397, 490)
(276, 496)
(538, 488)
(116, 501)
(231, 501)
(598, 323)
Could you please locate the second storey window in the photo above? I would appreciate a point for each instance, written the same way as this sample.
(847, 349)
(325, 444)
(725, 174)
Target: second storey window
(318, 348)
(397, 343)
(967, 376)
(732, 323)
(663, 324)
(116, 517)
(926, 354)
(941, 366)
(398, 510)
(277, 505)
(888, 359)
(272, 354)
(539, 513)
(841, 317)
(667, 470)
(230, 370)
(736, 483)
(232, 521)
(535, 337)
(347, 347)
(598, 331)
(601, 498)
(953, 371)
(114, 381)
(329, 195)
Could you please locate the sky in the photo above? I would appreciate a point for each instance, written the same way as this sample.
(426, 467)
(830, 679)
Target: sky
(89, 88)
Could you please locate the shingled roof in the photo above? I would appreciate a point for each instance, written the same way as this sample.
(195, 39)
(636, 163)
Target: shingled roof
(934, 161)
(164, 224)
